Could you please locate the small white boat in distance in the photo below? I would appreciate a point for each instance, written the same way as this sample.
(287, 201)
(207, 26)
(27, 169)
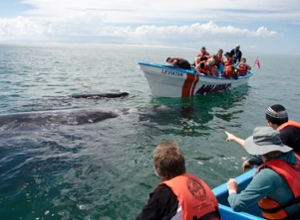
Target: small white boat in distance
(169, 81)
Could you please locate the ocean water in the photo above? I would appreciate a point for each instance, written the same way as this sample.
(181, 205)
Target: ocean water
(66, 161)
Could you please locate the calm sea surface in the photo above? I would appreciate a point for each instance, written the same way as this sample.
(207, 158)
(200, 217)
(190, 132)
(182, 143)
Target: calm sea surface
(54, 167)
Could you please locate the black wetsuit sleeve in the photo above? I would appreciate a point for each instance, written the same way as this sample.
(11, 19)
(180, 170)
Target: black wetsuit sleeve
(290, 136)
(162, 204)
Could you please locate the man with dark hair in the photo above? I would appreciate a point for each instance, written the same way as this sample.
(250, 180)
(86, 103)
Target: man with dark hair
(180, 195)
(179, 62)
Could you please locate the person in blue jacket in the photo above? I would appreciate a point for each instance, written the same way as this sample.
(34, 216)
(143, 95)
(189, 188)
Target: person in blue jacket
(236, 54)
(276, 185)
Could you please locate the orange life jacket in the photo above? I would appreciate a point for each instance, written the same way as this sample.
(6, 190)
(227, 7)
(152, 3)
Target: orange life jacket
(289, 123)
(195, 197)
(270, 208)
(205, 69)
(219, 60)
(229, 72)
(243, 69)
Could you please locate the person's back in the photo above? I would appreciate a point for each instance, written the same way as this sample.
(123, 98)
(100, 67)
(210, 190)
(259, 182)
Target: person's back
(180, 195)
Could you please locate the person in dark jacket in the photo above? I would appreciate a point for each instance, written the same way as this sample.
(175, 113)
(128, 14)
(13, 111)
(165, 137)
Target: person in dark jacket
(236, 54)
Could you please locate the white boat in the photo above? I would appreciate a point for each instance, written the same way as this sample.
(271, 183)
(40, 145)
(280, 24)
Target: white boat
(169, 81)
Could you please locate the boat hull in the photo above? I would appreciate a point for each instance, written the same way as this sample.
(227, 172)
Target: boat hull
(169, 81)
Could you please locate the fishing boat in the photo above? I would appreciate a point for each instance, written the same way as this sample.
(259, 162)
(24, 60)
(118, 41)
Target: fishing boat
(170, 81)
(221, 192)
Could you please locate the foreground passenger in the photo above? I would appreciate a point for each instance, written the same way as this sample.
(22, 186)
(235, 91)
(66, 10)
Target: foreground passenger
(276, 184)
(243, 67)
(179, 62)
(277, 118)
(180, 195)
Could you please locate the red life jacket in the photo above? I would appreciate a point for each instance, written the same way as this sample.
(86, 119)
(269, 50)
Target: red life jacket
(270, 208)
(205, 69)
(195, 197)
(243, 69)
(289, 123)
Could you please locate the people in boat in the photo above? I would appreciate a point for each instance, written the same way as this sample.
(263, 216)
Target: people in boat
(202, 55)
(275, 185)
(179, 62)
(207, 67)
(236, 54)
(243, 67)
(180, 195)
(230, 70)
(276, 118)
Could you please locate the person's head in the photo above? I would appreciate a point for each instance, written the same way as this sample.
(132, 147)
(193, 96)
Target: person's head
(237, 47)
(276, 115)
(203, 50)
(168, 60)
(265, 142)
(244, 60)
(227, 54)
(211, 61)
(168, 160)
(220, 52)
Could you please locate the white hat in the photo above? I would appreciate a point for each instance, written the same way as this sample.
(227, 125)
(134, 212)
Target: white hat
(237, 45)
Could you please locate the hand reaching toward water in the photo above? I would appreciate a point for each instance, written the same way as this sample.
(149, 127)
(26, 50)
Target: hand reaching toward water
(230, 137)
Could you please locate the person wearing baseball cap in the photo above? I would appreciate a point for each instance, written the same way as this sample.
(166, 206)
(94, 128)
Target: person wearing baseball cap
(276, 185)
(236, 54)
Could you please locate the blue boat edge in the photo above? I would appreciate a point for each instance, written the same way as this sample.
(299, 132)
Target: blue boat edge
(192, 71)
(221, 192)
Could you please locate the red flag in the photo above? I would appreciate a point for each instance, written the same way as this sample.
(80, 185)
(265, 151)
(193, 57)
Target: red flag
(257, 63)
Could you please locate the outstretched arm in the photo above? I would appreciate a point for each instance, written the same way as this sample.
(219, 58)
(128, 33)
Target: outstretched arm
(231, 137)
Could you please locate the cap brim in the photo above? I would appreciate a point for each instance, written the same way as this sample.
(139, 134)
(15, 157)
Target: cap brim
(255, 149)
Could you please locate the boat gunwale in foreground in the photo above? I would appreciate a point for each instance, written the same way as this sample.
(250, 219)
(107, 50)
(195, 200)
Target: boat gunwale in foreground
(221, 192)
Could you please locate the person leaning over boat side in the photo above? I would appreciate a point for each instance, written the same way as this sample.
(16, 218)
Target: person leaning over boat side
(180, 195)
(243, 67)
(276, 118)
(179, 62)
(236, 54)
(275, 185)
(202, 55)
(207, 67)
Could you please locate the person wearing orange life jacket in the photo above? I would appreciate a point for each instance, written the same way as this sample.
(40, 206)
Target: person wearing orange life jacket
(275, 183)
(243, 67)
(180, 195)
(276, 118)
(219, 58)
(230, 70)
(202, 55)
(207, 67)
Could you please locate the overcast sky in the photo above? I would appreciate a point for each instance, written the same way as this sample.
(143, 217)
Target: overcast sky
(262, 26)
